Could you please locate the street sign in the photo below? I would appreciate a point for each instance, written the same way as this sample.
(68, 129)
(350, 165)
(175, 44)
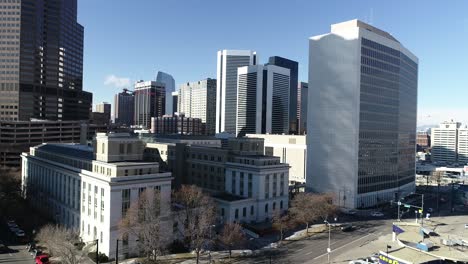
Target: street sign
(328, 250)
(399, 203)
(407, 205)
(420, 211)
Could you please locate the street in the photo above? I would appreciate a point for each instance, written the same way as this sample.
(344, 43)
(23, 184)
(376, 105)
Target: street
(313, 250)
(17, 255)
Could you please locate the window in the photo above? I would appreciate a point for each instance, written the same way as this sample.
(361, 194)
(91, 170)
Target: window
(141, 191)
(102, 148)
(121, 148)
(129, 148)
(251, 210)
(125, 201)
(101, 238)
(274, 206)
(266, 208)
(236, 214)
(244, 212)
(222, 212)
(281, 204)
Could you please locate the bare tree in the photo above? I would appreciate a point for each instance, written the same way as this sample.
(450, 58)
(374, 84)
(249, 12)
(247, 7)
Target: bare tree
(144, 220)
(323, 206)
(197, 213)
(301, 209)
(281, 223)
(10, 186)
(309, 207)
(62, 243)
(232, 237)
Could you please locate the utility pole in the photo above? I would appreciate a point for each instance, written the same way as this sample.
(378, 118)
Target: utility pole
(329, 236)
(97, 251)
(117, 252)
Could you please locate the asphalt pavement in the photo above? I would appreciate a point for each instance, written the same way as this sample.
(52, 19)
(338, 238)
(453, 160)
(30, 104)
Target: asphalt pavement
(18, 255)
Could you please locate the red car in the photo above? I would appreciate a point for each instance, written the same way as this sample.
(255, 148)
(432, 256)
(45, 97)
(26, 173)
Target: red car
(42, 259)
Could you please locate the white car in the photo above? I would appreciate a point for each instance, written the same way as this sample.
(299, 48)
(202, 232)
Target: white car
(377, 214)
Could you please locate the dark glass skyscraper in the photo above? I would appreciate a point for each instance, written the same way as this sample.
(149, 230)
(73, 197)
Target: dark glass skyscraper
(124, 104)
(293, 66)
(41, 54)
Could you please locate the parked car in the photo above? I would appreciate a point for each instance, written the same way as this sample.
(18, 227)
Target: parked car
(42, 259)
(347, 227)
(377, 214)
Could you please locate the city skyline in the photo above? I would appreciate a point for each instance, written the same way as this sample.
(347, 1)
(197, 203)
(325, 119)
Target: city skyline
(188, 60)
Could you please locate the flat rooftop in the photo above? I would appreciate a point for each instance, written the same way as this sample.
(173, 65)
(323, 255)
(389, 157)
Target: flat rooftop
(411, 255)
(73, 150)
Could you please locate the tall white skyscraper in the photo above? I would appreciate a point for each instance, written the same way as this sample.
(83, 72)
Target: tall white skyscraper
(169, 82)
(198, 100)
(262, 100)
(362, 110)
(444, 142)
(226, 88)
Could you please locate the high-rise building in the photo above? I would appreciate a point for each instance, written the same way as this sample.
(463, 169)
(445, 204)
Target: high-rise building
(175, 101)
(42, 61)
(104, 108)
(198, 100)
(262, 100)
(176, 124)
(462, 146)
(124, 104)
(169, 82)
(444, 141)
(226, 88)
(302, 95)
(293, 67)
(363, 87)
(150, 99)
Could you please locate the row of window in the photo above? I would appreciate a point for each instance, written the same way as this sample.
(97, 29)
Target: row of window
(87, 192)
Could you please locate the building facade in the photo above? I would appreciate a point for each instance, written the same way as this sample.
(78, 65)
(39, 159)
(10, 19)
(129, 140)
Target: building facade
(226, 87)
(198, 100)
(302, 99)
(104, 108)
(90, 189)
(169, 83)
(293, 67)
(124, 106)
(19, 136)
(291, 149)
(363, 89)
(175, 101)
(462, 146)
(444, 142)
(42, 62)
(177, 124)
(423, 139)
(150, 100)
(262, 100)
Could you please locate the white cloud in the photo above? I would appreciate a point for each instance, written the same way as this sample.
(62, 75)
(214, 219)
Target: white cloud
(118, 82)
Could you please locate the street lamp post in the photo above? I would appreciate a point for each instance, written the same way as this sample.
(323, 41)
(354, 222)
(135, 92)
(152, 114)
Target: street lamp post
(97, 251)
(329, 236)
(117, 250)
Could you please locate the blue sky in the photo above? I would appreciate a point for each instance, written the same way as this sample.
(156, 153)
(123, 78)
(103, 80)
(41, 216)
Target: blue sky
(131, 40)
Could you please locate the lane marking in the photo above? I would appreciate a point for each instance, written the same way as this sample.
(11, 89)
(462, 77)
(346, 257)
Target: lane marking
(341, 246)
